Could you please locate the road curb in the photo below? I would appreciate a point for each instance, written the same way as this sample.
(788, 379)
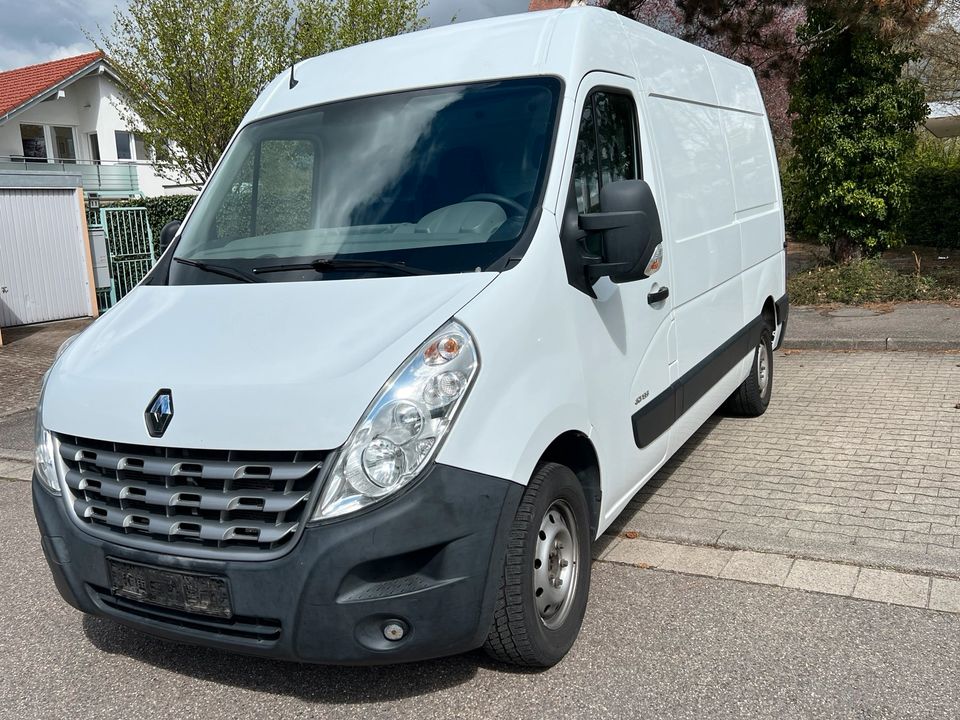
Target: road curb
(940, 562)
(788, 571)
(16, 455)
(875, 345)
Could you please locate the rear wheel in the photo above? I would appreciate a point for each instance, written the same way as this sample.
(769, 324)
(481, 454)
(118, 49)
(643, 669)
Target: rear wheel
(753, 396)
(546, 575)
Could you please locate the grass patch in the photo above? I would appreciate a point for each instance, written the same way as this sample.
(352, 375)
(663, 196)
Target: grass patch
(873, 280)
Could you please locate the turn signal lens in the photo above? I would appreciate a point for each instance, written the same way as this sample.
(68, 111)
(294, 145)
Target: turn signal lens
(443, 350)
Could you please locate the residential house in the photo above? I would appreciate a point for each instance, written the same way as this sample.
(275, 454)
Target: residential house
(944, 120)
(62, 116)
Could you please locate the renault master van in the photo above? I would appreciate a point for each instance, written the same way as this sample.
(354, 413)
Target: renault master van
(448, 301)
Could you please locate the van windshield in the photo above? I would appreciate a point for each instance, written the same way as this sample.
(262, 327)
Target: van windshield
(430, 181)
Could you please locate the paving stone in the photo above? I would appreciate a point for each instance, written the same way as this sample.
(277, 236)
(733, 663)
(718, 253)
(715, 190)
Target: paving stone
(892, 587)
(696, 560)
(14, 470)
(822, 577)
(640, 551)
(945, 595)
(828, 463)
(602, 548)
(25, 355)
(763, 568)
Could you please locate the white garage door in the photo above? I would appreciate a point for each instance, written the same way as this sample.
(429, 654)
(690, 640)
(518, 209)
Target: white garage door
(43, 259)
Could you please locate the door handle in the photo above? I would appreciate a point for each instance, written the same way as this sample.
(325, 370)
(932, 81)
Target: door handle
(659, 296)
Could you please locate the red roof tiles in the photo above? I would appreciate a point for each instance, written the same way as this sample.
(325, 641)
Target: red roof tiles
(548, 4)
(22, 84)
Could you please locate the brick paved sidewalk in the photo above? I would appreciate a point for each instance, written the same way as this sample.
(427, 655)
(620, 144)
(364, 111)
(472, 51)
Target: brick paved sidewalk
(858, 459)
(26, 354)
(24, 357)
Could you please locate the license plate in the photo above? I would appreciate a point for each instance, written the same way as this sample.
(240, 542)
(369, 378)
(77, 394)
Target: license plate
(189, 592)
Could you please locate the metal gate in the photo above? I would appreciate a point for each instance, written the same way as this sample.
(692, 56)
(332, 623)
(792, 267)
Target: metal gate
(129, 241)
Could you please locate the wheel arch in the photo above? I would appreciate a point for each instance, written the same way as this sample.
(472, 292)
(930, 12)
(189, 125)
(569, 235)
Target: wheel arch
(769, 312)
(574, 450)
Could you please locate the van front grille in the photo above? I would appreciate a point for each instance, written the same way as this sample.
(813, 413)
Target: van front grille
(203, 502)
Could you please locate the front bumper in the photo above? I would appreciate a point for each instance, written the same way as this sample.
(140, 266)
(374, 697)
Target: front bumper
(431, 558)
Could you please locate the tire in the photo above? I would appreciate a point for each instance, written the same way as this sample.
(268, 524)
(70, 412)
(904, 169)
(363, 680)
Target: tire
(535, 624)
(753, 396)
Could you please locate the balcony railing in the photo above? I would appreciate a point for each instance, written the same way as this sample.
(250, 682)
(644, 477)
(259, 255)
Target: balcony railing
(105, 179)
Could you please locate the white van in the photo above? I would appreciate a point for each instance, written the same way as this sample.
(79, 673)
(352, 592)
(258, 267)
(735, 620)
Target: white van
(448, 301)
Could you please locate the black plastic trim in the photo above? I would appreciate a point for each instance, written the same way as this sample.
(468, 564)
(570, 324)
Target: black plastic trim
(783, 314)
(657, 416)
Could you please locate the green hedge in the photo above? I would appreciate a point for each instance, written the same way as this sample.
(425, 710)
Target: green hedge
(934, 216)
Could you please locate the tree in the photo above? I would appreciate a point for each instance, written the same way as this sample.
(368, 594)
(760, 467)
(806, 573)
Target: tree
(323, 27)
(856, 121)
(939, 68)
(192, 68)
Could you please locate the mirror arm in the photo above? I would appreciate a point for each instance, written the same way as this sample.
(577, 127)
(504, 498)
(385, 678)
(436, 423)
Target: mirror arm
(598, 222)
(595, 271)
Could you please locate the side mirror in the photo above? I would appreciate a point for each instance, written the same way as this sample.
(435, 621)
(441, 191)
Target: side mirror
(629, 224)
(167, 233)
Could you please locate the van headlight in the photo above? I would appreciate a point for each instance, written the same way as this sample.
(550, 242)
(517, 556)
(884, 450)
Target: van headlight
(44, 455)
(45, 451)
(404, 425)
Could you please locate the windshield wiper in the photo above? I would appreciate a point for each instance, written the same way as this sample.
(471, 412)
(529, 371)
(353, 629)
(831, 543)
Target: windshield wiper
(220, 270)
(322, 265)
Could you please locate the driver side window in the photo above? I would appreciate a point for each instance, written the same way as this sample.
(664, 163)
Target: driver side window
(607, 146)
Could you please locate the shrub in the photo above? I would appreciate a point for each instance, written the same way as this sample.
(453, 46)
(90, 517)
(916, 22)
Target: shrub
(866, 281)
(934, 215)
(856, 117)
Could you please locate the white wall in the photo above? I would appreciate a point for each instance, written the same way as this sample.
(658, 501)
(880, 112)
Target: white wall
(109, 120)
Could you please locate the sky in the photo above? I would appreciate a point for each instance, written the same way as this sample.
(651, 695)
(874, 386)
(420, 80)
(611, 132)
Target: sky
(32, 32)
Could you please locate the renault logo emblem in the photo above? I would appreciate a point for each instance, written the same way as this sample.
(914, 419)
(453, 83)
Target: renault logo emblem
(159, 413)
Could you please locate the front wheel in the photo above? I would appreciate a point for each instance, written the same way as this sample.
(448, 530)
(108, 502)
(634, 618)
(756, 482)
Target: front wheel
(546, 575)
(753, 396)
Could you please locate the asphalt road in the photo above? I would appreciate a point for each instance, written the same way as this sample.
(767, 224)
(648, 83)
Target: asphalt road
(654, 645)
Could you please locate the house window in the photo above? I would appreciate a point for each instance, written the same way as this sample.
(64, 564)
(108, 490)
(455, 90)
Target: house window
(34, 143)
(124, 146)
(94, 148)
(140, 148)
(64, 144)
(131, 146)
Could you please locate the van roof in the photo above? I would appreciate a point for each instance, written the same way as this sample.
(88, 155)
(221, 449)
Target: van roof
(562, 43)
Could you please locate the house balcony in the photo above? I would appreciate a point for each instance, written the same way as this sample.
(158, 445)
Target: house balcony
(108, 180)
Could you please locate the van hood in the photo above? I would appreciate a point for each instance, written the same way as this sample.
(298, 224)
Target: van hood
(272, 366)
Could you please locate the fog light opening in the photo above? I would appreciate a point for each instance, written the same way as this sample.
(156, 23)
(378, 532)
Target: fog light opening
(394, 630)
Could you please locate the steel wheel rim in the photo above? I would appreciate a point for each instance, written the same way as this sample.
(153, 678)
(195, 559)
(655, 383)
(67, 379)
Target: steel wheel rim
(763, 369)
(555, 564)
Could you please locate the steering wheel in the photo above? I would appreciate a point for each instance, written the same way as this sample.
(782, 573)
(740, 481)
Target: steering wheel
(504, 202)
